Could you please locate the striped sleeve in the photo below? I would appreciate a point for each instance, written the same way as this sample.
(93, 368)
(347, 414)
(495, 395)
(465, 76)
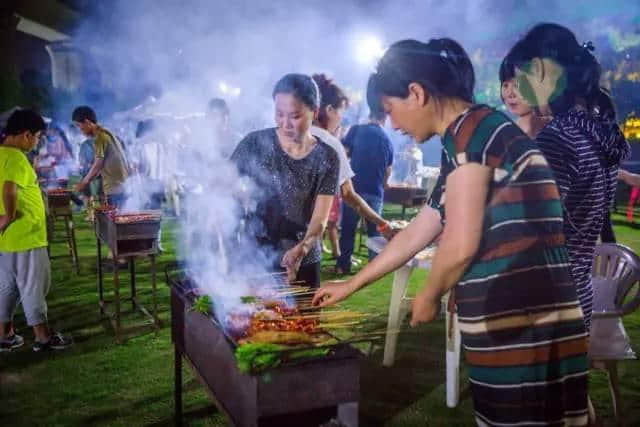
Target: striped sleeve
(482, 136)
(436, 199)
(561, 155)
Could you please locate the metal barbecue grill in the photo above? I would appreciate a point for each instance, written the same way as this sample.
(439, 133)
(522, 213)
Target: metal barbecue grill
(57, 202)
(405, 196)
(127, 236)
(300, 392)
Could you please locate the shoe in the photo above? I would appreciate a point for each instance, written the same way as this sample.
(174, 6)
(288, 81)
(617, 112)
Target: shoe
(57, 341)
(11, 343)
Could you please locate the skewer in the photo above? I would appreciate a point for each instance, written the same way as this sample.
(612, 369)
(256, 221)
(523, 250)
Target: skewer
(338, 325)
(297, 292)
(331, 315)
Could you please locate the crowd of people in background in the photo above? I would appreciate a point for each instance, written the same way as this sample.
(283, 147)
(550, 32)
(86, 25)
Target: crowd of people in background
(526, 202)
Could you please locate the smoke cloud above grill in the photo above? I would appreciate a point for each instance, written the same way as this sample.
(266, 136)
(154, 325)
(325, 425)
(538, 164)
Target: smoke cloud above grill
(165, 60)
(184, 53)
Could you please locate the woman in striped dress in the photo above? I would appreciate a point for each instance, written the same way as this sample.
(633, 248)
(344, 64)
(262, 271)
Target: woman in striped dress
(501, 245)
(583, 143)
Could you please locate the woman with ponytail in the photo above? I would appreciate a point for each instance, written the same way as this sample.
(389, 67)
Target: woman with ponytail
(583, 143)
(333, 102)
(501, 245)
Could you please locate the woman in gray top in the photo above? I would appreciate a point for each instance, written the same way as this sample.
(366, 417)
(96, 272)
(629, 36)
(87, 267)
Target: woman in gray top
(298, 176)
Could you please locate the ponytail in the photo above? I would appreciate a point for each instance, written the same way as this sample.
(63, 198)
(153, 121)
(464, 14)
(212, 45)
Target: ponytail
(441, 67)
(582, 70)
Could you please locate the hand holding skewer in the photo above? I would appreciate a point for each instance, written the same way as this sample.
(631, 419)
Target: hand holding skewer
(332, 292)
(292, 260)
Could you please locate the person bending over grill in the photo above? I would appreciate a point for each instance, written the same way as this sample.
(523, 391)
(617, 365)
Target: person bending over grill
(110, 158)
(298, 176)
(502, 245)
(326, 127)
(25, 272)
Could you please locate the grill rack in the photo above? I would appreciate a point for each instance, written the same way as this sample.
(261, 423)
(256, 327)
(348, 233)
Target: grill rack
(341, 349)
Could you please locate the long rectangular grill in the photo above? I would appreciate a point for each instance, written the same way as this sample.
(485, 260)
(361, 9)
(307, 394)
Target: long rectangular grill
(304, 392)
(405, 195)
(57, 201)
(126, 235)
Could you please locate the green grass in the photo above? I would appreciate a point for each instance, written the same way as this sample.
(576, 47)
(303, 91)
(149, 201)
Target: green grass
(99, 382)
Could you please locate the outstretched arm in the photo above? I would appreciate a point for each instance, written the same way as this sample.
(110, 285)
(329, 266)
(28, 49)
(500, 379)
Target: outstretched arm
(416, 236)
(467, 189)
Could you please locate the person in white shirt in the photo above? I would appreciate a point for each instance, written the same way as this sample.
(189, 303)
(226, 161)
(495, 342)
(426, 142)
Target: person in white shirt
(326, 127)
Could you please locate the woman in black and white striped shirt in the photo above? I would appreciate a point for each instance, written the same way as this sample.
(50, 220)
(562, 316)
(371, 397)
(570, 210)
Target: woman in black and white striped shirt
(583, 143)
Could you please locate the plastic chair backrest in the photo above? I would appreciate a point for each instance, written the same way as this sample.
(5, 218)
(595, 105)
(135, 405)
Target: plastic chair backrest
(617, 266)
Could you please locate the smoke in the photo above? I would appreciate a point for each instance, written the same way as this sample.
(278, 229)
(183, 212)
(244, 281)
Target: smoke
(165, 59)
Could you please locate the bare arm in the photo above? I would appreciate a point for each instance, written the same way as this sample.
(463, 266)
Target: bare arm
(632, 179)
(387, 174)
(467, 189)
(416, 236)
(358, 204)
(10, 201)
(318, 221)
(293, 257)
(96, 168)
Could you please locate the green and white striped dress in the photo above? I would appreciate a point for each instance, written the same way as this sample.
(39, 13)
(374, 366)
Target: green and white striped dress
(521, 323)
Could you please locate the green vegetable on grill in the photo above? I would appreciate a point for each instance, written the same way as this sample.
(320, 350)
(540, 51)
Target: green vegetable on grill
(202, 305)
(249, 299)
(258, 357)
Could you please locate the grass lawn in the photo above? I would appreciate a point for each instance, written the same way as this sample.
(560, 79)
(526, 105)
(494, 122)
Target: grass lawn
(98, 382)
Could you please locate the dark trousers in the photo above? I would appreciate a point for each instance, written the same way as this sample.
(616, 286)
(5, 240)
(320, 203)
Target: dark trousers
(309, 274)
(607, 235)
(349, 225)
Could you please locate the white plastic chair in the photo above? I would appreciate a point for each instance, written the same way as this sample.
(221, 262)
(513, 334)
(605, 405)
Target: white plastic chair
(616, 270)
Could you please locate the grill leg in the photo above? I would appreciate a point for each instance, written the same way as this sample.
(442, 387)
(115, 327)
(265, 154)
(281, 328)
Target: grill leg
(116, 297)
(178, 386)
(67, 231)
(74, 245)
(99, 267)
(132, 273)
(156, 321)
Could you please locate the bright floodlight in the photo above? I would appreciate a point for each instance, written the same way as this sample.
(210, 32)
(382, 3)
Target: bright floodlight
(236, 91)
(369, 49)
(223, 87)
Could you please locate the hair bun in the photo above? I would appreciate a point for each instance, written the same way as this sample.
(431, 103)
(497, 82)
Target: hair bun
(321, 79)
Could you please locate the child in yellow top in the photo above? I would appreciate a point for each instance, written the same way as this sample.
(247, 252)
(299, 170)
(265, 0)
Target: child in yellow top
(24, 263)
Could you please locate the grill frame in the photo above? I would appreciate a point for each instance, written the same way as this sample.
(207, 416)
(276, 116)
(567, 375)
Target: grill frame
(138, 238)
(126, 240)
(306, 391)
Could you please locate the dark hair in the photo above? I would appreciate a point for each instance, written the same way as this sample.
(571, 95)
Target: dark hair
(58, 129)
(330, 94)
(24, 120)
(82, 113)
(144, 127)
(582, 70)
(302, 87)
(441, 66)
(507, 70)
(219, 104)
